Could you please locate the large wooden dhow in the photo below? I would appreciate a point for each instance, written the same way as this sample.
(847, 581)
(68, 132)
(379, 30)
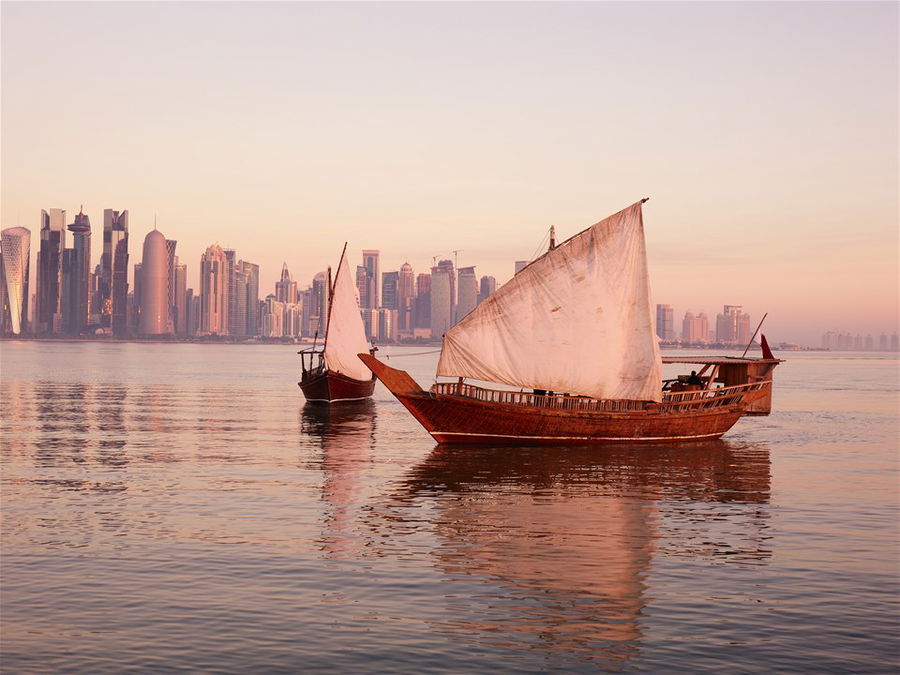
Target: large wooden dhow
(334, 374)
(573, 333)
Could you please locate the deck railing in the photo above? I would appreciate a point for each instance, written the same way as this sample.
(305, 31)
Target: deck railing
(672, 401)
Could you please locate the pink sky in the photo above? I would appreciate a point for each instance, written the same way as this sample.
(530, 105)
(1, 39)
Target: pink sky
(766, 135)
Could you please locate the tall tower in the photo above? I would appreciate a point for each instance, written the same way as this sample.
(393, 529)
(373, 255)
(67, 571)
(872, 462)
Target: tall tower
(372, 265)
(114, 272)
(154, 286)
(50, 268)
(171, 264)
(468, 292)
(488, 286)
(665, 322)
(389, 290)
(441, 301)
(286, 288)
(214, 292)
(180, 304)
(406, 296)
(79, 299)
(16, 252)
(422, 318)
(250, 271)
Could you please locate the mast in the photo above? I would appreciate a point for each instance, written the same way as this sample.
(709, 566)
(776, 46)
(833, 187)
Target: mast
(552, 238)
(331, 294)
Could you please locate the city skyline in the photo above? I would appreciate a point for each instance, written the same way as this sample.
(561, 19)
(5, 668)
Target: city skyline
(437, 127)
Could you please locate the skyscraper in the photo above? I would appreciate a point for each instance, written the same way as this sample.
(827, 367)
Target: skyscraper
(519, 265)
(114, 272)
(406, 297)
(16, 252)
(665, 322)
(318, 311)
(468, 292)
(50, 268)
(441, 302)
(372, 265)
(389, 283)
(171, 264)
(447, 266)
(213, 292)
(422, 313)
(79, 286)
(180, 301)
(155, 286)
(733, 325)
(251, 274)
(488, 286)
(286, 287)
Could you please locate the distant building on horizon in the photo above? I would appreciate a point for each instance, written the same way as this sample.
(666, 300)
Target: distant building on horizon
(114, 272)
(733, 326)
(77, 290)
(371, 263)
(695, 329)
(488, 286)
(48, 310)
(467, 298)
(520, 264)
(406, 297)
(15, 262)
(441, 301)
(213, 292)
(665, 320)
(154, 292)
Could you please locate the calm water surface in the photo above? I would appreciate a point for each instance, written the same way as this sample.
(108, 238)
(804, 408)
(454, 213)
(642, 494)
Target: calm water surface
(176, 507)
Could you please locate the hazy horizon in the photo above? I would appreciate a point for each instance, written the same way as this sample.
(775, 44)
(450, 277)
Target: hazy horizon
(766, 135)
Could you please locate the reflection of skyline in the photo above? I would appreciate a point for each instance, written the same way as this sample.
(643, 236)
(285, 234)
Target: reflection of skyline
(345, 434)
(555, 545)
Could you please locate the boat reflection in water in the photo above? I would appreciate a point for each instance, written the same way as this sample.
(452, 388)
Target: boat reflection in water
(345, 435)
(553, 548)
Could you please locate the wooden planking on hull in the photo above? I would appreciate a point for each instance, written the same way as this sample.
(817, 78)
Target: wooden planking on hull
(330, 387)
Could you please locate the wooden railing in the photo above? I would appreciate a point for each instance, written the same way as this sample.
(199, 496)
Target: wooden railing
(672, 402)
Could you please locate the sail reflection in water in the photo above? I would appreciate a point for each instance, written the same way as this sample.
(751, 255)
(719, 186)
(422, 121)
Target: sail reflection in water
(561, 541)
(346, 435)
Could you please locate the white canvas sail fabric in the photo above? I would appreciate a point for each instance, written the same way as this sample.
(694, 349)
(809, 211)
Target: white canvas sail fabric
(346, 336)
(577, 320)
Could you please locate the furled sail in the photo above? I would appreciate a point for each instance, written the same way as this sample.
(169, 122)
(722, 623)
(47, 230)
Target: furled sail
(345, 337)
(577, 320)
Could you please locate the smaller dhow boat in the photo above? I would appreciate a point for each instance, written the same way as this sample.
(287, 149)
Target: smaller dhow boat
(573, 334)
(334, 374)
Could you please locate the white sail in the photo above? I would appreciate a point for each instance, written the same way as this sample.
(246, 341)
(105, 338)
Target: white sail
(345, 336)
(577, 320)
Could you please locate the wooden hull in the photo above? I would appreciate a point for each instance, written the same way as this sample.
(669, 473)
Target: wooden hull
(329, 387)
(460, 419)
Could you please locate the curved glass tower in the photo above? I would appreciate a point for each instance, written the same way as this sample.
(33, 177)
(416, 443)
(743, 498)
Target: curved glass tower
(16, 245)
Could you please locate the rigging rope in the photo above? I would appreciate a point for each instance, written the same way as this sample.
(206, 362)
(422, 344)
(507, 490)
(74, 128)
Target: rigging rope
(397, 356)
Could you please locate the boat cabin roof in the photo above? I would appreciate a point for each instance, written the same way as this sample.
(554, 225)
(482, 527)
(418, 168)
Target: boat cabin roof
(715, 360)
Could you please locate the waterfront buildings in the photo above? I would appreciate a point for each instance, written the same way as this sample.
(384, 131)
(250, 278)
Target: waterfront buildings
(213, 292)
(15, 258)
(665, 319)
(467, 294)
(154, 292)
(77, 277)
(406, 297)
(733, 326)
(48, 308)
(113, 283)
(694, 329)
(487, 287)
(371, 293)
(441, 300)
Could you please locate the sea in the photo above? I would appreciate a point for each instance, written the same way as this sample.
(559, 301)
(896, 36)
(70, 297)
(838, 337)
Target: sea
(178, 508)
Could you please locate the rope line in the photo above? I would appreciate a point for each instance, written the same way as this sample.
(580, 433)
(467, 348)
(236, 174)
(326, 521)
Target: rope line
(397, 356)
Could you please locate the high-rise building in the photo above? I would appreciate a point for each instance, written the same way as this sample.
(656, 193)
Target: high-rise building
(180, 308)
(15, 243)
(665, 320)
(286, 288)
(406, 297)
(318, 306)
(76, 290)
(695, 329)
(389, 290)
(50, 271)
(154, 298)
(519, 265)
(250, 272)
(134, 305)
(468, 292)
(422, 313)
(214, 292)
(441, 301)
(114, 272)
(372, 265)
(733, 326)
(171, 264)
(488, 286)
(192, 312)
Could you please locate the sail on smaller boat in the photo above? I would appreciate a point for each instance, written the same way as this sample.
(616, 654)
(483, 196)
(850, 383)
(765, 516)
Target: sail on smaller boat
(334, 374)
(573, 331)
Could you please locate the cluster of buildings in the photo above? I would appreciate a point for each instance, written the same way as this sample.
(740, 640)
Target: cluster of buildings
(68, 298)
(732, 327)
(836, 340)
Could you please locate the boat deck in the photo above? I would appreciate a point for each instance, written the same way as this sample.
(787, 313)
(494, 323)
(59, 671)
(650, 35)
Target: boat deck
(672, 402)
